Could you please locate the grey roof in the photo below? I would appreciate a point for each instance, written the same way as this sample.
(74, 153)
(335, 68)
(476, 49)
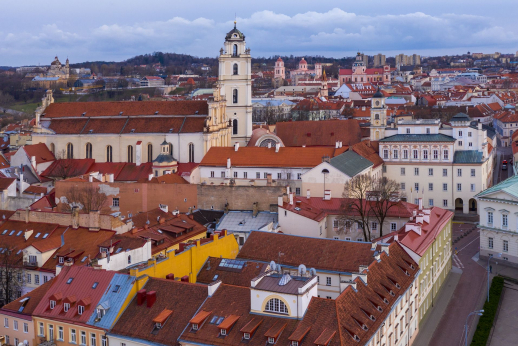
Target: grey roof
(490, 131)
(467, 156)
(243, 221)
(378, 94)
(509, 186)
(437, 137)
(272, 283)
(164, 158)
(460, 117)
(350, 163)
(234, 31)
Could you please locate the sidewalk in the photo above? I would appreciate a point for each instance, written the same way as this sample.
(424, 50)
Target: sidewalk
(429, 323)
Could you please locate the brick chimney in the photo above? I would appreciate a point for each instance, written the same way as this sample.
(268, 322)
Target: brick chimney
(151, 298)
(170, 276)
(141, 297)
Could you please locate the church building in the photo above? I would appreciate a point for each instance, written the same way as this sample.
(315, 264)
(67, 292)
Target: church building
(360, 73)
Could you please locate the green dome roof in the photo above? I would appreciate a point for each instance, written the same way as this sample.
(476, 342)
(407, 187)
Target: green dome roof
(231, 33)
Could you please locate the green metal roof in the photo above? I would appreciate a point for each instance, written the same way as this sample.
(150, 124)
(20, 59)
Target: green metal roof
(350, 163)
(467, 156)
(436, 137)
(510, 186)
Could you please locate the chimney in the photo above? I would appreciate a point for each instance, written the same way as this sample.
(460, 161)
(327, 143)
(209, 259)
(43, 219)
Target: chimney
(236, 146)
(288, 190)
(420, 199)
(337, 145)
(170, 276)
(396, 237)
(75, 217)
(138, 153)
(109, 177)
(185, 278)
(291, 199)
(308, 195)
(151, 298)
(255, 209)
(150, 176)
(269, 145)
(277, 147)
(269, 179)
(90, 178)
(327, 195)
(141, 297)
(228, 163)
(33, 161)
(280, 201)
(341, 144)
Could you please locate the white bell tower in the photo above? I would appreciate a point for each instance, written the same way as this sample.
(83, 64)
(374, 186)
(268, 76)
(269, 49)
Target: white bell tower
(235, 69)
(378, 116)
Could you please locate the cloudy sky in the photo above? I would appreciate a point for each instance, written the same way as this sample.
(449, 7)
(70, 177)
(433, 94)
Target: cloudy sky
(34, 31)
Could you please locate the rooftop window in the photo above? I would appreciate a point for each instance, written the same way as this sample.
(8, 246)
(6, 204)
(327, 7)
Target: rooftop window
(12, 232)
(94, 286)
(69, 281)
(116, 288)
(45, 235)
(37, 235)
(233, 264)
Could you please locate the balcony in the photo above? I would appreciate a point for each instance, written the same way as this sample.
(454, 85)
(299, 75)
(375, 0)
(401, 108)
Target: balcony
(30, 263)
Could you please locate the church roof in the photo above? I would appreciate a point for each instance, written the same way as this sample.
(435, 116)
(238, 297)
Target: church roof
(164, 158)
(378, 94)
(231, 33)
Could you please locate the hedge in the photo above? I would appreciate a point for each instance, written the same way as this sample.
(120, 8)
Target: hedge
(485, 322)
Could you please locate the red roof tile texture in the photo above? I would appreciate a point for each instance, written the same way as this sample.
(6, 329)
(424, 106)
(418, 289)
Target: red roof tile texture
(319, 133)
(40, 151)
(34, 298)
(94, 109)
(229, 276)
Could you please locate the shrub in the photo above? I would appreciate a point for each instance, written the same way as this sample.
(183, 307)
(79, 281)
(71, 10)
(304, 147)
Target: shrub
(486, 320)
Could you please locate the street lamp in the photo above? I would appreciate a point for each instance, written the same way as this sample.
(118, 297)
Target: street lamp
(477, 312)
(488, 260)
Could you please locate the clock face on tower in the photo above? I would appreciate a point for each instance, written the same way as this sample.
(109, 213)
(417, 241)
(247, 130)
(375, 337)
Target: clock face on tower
(377, 103)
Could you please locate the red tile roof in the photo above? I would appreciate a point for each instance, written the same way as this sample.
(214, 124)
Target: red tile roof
(40, 150)
(6, 182)
(29, 301)
(33, 189)
(319, 133)
(81, 287)
(368, 151)
(211, 270)
(135, 108)
(267, 157)
(68, 168)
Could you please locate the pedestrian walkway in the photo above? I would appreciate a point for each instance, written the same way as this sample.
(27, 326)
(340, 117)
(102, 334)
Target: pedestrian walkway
(506, 320)
(457, 261)
(431, 321)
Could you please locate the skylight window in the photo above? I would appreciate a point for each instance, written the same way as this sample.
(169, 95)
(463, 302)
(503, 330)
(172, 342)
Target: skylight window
(45, 235)
(84, 258)
(220, 320)
(94, 286)
(12, 232)
(19, 232)
(214, 319)
(215, 277)
(233, 264)
(116, 288)
(37, 235)
(4, 232)
(69, 281)
(19, 252)
(118, 250)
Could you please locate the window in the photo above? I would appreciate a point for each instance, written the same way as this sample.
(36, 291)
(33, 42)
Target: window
(430, 202)
(150, 152)
(109, 153)
(70, 151)
(408, 131)
(473, 172)
(83, 337)
(88, 153)
(430, 171)
(29, 278)
(385, 154)
(459, 172)
(459, 187)
(235, 69)
(234, 96)
(276, 305)
(505, 246)
(395, 154)
(25, 328)
(444, 202)
(6, 322)
(436, 154)
(257, 175)
(402, 170)
(445, 187)
(115, 202)
(222, 174)
(61, 336)
(374, 226)
(93, 340)
(66, 307)
(246, 336)
(235, 174)
(130, 153)
(430, 186)
(245, 175)
(393, 226)
(427, 130)
(470, 144)
(212, 174)
(279, 175)
(36, 279)
(191, 152)
(490, 242)
(504, 220)
(265, 175)
(297, 191)
(415, 154)
(15, 325)
(52, 304)
(460, 133)
(403, 185)
(104, 341)
(445, 155)
(7, 339)
(41, 330)
(444, 172)
(425, 154)
(299, 176)
(234, 127)
(80, 309)
(328, 281)
(469, 134)
(16, 341)
(460, 142)
(51, 332)
(405, 154)
(271, 340)
(234, 51)
(490, 217)
(416, 171)
(416, 187)
(472, 187)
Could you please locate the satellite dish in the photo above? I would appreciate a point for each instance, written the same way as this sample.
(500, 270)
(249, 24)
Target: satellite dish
(273, 266)
(302, 269)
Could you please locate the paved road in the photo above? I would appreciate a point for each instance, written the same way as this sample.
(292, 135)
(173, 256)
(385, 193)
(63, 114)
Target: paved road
(469, 294)
(503, 154)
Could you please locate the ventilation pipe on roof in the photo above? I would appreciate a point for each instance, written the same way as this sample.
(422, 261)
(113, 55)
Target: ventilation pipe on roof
(337, 145)
(291, 199)
(236, 146)
(269, 145)
(109, 177)
(396, 238)
(277, 147)
(150, 176)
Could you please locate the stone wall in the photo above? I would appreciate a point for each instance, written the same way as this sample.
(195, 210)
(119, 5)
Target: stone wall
(239, 197)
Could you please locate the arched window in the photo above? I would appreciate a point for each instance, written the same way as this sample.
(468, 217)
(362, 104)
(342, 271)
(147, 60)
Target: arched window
(276, 305)
(53, 148)
(234, 53)
(171, 149)
(129, 259)
(235, 68)
(88, 153)
(234, 127)
(150, 152)
(109, 154)
(70, 151)
(377, 116)
(191, 152)
(234, 96)
(130, 153)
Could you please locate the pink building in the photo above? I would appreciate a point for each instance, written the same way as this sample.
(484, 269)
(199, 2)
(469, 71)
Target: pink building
(280, 71)
(360, 73)
(303, 70)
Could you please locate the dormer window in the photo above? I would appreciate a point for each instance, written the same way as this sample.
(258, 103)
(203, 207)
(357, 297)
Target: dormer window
(80, 309)
(100, 313)
(195, 326)
(246, 336)
(223, 332)
(66, 307)
(61, 259)
(158, 325)
(294, 343)
(271, 340)
(52, 304)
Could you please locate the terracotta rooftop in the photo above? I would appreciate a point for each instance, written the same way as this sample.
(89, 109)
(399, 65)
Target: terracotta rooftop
(212, 271)
(26, 304)
(6, 182)
(319, 133)
(40, 151)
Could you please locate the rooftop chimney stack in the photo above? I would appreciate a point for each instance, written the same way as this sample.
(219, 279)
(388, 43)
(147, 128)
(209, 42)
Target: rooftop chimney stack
(228, 163)
(236, 146)
(308, 195)
(291, 199)
(150, 176)
(141, 297)
(277, 147)
(151, 298)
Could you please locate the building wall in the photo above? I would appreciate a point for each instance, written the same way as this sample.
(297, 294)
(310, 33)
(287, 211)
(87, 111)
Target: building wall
(122, 260)
(239, 197)
(190, 261)
(67, 328)
(19, 334)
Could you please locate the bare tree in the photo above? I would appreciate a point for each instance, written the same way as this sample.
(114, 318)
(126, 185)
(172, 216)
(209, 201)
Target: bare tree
(87, 197)
(11, 273)
(384, 197)
(63, 167)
